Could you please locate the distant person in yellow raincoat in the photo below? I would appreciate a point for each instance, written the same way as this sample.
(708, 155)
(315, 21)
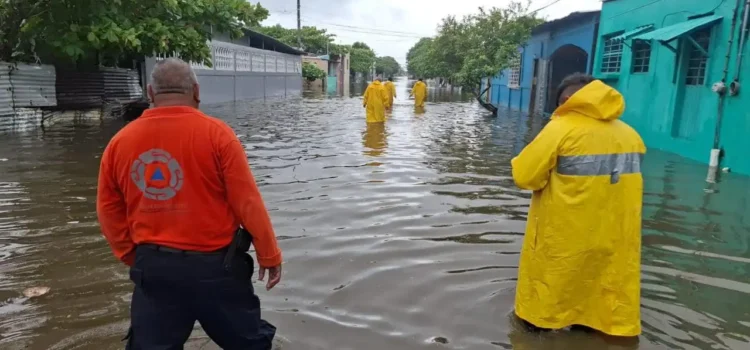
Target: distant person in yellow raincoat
(580, 262)
(419, 91)
(376, 101)
(391, 87)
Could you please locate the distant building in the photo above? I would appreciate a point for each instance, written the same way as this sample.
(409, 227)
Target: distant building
(556, 49)
(665, 57)
(252, 67)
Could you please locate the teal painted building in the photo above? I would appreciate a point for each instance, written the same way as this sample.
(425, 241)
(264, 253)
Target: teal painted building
(666, 57)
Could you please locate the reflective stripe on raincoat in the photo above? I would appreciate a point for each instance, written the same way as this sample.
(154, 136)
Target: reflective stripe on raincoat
(391, 88)
(419, 91)
(376, 101)
(580, 262)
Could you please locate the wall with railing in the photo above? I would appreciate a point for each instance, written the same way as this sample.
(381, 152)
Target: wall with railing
(245, 73)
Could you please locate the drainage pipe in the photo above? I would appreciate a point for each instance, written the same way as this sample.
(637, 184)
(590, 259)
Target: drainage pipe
(713, 163)
(741, 49)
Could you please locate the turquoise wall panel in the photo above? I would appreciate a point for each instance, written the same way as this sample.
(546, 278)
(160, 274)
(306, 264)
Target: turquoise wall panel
(669, 114)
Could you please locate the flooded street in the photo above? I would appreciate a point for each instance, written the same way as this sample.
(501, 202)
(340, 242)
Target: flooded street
(399, 237)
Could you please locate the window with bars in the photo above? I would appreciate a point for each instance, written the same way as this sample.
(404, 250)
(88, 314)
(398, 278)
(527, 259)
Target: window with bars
(611, 55)
(641, 56)
(514, 74)
(697, 61)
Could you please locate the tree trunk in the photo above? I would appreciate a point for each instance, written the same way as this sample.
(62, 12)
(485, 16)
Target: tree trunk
(488, 106)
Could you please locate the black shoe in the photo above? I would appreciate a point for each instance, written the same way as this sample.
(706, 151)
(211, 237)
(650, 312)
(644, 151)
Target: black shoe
(580, 328)
(534, 329)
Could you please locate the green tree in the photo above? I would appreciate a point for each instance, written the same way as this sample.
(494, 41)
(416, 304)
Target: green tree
(387, 66)
(119, 29)
(314, 40)
(362, 58)
(418, 59)
(478, 46)
(311, 72)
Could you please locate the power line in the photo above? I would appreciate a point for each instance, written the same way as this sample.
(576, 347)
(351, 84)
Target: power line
(363, 30)
(544, 7)
(379, 30)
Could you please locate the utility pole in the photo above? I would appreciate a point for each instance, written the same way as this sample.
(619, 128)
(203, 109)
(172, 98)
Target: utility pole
(299, 25)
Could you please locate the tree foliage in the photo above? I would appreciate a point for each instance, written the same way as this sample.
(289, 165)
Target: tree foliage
(318, 41)
(418, 59)
(312, 72)
(387, 66)
(117, 29)
(477, 46)
(314, 40)
(362, 58)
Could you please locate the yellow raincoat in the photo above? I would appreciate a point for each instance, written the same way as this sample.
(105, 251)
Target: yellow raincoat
(580, 262)
(419, 91)
(391, 88)
(376, 101)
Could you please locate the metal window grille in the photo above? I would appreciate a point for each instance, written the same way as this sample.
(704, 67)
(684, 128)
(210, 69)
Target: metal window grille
(243, 61)
(514, 76)
(641, 56)
(697, 61)
(612, 56)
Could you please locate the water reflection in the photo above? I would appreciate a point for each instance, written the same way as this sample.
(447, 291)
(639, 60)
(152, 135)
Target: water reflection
(374, 139)
(403, 235)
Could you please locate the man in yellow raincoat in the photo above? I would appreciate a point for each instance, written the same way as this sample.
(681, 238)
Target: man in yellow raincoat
(419, 91)
(376, 101)
(580, 262)
(391, 88)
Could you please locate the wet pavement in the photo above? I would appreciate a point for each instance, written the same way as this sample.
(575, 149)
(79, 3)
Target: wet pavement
(403, 236)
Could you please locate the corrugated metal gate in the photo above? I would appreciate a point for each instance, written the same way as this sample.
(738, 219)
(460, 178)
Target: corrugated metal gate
(93, 89)
(6, 96)
(27, 91)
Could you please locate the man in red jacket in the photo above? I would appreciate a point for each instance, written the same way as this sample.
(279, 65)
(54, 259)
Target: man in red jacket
(174, 187)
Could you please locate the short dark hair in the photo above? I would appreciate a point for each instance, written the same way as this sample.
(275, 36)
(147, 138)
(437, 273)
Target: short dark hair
(420, 79)
(390, 78)
(574, 79)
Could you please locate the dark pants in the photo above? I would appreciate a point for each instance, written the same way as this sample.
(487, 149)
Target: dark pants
(173, 290)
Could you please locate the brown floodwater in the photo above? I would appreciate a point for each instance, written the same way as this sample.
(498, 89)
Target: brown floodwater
(405, 236)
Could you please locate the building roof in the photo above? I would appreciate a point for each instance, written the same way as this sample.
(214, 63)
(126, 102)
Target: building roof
(271, 43)
(675, 31)
(571, 19)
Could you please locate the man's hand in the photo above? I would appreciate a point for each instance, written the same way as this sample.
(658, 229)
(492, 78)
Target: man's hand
(274, 276)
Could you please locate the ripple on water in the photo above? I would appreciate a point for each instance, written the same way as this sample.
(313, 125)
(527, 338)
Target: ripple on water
(404, 237)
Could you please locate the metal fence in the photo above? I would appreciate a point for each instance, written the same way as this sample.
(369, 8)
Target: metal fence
(97, 88)
(31, 93)
(245, 73)
(24, 87)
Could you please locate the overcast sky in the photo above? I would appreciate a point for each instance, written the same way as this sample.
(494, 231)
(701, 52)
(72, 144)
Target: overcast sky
(391, 27)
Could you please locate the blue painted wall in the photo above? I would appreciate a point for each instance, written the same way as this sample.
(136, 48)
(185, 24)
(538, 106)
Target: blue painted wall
(667, 113)
(542, 45)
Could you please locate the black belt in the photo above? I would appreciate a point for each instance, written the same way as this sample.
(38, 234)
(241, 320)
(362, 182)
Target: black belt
(161, 248)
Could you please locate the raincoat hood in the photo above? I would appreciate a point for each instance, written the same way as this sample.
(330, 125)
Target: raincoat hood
(596, 100)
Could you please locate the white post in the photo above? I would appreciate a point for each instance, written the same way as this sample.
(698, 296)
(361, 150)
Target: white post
(713, 165)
